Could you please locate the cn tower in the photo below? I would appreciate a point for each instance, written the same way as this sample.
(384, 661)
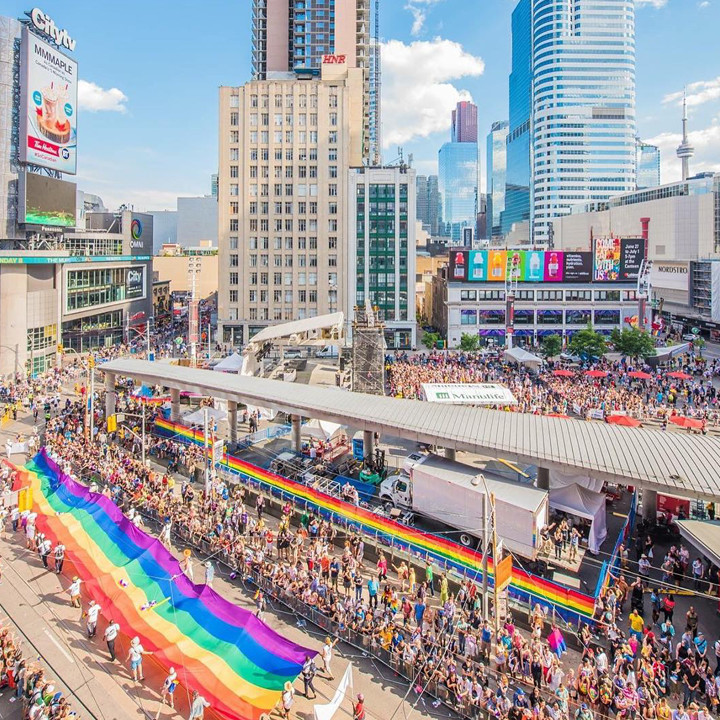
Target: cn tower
(685, 150)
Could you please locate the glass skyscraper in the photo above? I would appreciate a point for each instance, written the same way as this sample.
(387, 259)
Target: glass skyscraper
(496, 175)
(457, 178)
(517, 180)
(648, 165)
(574, 71)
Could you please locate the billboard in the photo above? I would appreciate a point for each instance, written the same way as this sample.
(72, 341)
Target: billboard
(534, 266)
(607, 259)
(46, 201)
(468, 393)
(578, 267)
(48, 106)
(134, 283)
(553, 269)
(458, 265)
(496, 265)
(632, 253)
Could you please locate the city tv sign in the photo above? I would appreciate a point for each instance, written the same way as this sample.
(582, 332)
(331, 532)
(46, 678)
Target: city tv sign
(44, 24)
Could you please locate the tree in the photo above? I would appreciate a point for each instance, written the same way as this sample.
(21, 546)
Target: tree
(469, 342)
(551, 345)
(633, 342)
(429, 339)
(587, 343)
(699, 344)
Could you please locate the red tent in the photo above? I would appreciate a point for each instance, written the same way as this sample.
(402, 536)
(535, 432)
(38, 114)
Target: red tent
(596, 373)
(640, 375)
(625, 420)
(557, 415)
(686, 422)
(679, 375)
(563, 373)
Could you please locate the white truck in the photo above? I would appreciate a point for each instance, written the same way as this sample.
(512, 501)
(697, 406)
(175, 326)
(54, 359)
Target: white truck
(453, 495)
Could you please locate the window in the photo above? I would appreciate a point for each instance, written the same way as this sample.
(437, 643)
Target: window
(468, 295)
(332, 242)
(252, 296)
(234, 278)
(233, 296)
(233, 260)
(234, 118)
(332, 190)
(234, 171)
(468, 317)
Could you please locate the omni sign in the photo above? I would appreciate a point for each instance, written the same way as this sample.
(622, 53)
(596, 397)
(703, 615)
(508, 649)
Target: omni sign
(334, 59)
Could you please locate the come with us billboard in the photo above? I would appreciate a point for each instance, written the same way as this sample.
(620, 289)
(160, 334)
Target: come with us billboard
(48, 106)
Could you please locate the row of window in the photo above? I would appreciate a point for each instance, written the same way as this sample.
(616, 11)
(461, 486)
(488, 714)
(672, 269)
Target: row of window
(554, 295)
(278, 261)
(303, 243)
(542, 317)
(288, 172)
(41, 338)
(310, 225)
(287, 188)
(301, 278)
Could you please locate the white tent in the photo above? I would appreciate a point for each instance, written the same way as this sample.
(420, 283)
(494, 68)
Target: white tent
(584, 503)
(198, 417)
(522, 357)
(232, 363)
(320, 429)
(558, 479)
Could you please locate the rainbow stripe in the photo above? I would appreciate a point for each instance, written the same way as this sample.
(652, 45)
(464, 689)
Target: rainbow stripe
(239, 663)
(570, 604)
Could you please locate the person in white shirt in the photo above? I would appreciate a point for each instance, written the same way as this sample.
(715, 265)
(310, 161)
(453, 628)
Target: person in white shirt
(167, 694)
(111, 633)
(197, 709)
(92, 618)
(74, 591)
(326, 654)
(59, 557)
(135, 658)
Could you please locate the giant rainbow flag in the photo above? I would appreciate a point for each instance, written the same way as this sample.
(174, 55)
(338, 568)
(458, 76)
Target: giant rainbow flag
(568, 603)
(236, 661)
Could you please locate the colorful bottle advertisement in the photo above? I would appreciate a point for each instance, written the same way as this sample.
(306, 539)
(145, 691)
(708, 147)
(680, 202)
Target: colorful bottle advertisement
(534, 265)
(458, 264)
(477, 266)
(517, 260)
(496, 266)
(553, 266)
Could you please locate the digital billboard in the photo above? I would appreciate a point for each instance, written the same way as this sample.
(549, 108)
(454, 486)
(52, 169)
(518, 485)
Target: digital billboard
(496, 265)
(477, 266)
(458, 265)
(135, 283)
(578, 267)
(46, 201)
(534, 266)
(48, 106)
(607, 259)
(553, 270)
(632, 253)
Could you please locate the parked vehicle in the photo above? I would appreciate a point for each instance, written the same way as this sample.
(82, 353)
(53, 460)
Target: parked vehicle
(453, 495)
(329, 351)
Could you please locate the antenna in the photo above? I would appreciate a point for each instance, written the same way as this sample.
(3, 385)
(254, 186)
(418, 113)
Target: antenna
(685, 150)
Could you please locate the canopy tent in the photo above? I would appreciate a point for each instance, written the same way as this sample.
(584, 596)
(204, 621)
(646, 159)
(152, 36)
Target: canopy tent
(198, 417)
(663, 354)
(320, 430)
(522, 357)
(232, 363)
(558, 480)
(584, 503)
(624, 420)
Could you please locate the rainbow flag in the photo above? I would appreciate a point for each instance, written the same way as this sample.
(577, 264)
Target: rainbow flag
(233, 659)
(568, 603)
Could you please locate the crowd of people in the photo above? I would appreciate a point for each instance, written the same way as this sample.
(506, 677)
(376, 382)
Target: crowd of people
(433, 633)
(543, 392)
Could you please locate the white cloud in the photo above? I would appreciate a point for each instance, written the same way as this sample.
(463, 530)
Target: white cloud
(419, 11)
(418, 95)
(94, 98)
(651, 3)
(698, 93)
(704, 4)
(706, 142)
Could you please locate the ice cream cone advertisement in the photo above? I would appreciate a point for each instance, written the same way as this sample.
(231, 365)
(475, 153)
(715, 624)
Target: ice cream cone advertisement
(48, 131)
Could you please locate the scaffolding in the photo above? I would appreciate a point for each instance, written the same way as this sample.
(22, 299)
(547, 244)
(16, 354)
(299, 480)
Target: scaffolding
(368, 352)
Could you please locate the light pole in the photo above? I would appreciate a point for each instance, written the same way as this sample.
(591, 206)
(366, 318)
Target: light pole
(194, 267)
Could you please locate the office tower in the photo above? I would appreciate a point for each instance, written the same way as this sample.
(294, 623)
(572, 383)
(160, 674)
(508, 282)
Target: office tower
(464, 123)
(285, 147)
(428, 203)
(458, 172)
(579, 99)
(301, 35)
(496, 175)
(381, 249)
(517, 182)
(374, 109)
(648, 165)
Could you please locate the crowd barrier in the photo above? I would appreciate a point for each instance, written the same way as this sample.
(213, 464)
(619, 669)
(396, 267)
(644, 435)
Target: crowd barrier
(610, 567)
(571, 605)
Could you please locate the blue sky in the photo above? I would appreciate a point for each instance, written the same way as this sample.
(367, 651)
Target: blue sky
(148, 119)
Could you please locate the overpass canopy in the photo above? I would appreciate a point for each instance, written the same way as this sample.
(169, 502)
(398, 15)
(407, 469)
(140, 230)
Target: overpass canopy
(673, 462)
(703, 535)
(304, 332)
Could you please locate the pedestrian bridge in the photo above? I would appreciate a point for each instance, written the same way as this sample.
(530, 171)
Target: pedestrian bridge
(669, 462)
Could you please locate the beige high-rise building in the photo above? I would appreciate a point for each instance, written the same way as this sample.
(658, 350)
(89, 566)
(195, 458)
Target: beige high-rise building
(300, 35)
(286, 145)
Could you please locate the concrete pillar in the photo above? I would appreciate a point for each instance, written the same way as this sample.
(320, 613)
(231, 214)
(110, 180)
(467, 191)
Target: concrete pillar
(649, 505)
(175, 404)
(110, 395)
(296, 440)
(543, 478)
(232, 420)
(368, 444)
(450, 453)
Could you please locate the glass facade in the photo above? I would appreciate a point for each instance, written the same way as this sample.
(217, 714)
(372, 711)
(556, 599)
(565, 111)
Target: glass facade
(457, 180)
(648, 166)
(90, 288)
(583, 113)
(427, 203)
(496, 175)
(517, 182)
(94, 331)
(313, 32)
